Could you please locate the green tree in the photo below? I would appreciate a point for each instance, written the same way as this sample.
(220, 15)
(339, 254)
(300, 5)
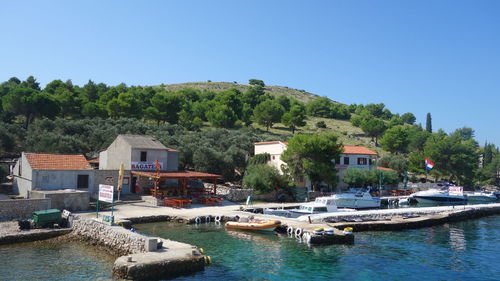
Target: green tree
(409, 118)
(321, 125)
(256, 82)
(168, 105)
(222, 116)
(311, 156)
(267, 113)
(373, 128)
(428, 123)
(30, 103)
(355, 177)
(294, 118)
(320, 107)
(395, 140)
(454, 156)
(264, 178)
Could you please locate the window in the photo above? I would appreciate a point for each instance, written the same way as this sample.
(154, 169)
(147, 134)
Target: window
(346, 160)
(362, 161)
(82, 181)
(144, 156)
(273, 157)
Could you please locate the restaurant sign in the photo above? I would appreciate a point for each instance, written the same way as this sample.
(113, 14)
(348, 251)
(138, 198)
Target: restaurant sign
(106, 193)
(145, 166)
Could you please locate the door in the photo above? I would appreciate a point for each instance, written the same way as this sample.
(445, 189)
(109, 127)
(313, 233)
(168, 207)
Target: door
(132, 184)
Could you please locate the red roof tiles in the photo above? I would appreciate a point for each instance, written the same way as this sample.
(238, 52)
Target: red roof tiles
(43, 161)
(177, 175)
(271, 142)
(353, 149)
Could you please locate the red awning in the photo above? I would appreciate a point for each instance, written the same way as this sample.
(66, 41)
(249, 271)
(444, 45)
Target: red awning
(176, 175)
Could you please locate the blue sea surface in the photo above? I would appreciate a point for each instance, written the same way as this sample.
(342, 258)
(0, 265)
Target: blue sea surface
(468, 250)
(52, 260)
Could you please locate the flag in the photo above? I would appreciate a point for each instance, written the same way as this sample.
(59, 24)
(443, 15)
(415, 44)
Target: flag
(120, 177)
(428, 164)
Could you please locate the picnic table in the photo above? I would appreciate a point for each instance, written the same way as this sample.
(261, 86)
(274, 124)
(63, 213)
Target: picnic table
(177, 202)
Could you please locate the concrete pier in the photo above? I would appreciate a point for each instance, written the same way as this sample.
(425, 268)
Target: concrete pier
(172, 260)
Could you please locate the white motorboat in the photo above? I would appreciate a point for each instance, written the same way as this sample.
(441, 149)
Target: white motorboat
(321, 205)
(449, 195)
(356, 198)
(481, 196)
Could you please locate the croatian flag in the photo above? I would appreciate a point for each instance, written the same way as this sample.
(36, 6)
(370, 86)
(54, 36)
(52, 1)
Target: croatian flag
(428, 164)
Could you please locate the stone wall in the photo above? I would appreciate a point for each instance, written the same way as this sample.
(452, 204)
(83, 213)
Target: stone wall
(69, 199)
(22, 208)
(115, 238)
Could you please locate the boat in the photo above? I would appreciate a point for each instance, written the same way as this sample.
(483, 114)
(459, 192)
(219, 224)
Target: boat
(446, 195)
(321, 205)
(261, 225)
(481, 196)
(356, 198)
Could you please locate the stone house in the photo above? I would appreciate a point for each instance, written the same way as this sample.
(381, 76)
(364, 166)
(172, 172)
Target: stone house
(352, 156)
(48, 172)
(137, 153)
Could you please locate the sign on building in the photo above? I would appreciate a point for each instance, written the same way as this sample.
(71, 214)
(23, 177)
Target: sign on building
(106, 193)
(456, 190)
(145, 166)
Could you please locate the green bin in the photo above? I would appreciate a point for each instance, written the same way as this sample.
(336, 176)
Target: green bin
(47, 217)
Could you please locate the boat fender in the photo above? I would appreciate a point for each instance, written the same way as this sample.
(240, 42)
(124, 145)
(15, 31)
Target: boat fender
(202, 251)
(197, 220)
(217, 218)
(307, 237)
(208, 260)
(289, 230)
(298, 232)
(207, 219)
(348, 230)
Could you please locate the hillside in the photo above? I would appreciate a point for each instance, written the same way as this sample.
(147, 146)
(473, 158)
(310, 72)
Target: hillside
(348, 134)
(301, 95)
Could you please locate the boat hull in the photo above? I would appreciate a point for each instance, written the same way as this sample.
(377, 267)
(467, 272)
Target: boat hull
(439, 199)
(357, 203)
(256, 226)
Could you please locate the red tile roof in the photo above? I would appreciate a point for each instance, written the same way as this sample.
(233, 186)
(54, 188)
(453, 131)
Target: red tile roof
(271, 142)
(177, 175)
(353, 149)
(385, 169)
(43, 161)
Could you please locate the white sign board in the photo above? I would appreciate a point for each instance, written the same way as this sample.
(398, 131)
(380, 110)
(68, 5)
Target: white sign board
(106, 193)
(456, 190)
(145, 166)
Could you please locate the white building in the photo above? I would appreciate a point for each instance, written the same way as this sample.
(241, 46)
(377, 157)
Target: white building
(352, 156)
(137, 153)
(44, 172)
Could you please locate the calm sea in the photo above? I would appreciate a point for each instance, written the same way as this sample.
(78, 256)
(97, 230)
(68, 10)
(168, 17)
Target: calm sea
(467, 250)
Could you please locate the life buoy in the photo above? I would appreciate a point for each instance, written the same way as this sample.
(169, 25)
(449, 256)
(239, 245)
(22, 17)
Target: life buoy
(197, 220)
(298, 232)
(217, 218)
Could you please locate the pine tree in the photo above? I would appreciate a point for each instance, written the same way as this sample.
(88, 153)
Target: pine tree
(428, 123)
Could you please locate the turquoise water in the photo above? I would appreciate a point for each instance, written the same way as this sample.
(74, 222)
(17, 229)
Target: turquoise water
(467, 250)
(48, 260)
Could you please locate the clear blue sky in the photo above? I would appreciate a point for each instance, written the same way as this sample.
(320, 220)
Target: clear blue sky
(419, 56)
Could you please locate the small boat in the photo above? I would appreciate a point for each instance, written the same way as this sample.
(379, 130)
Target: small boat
(269, 225)
(356, 198)
(321, 205)
(442, 196)
(481, 196)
